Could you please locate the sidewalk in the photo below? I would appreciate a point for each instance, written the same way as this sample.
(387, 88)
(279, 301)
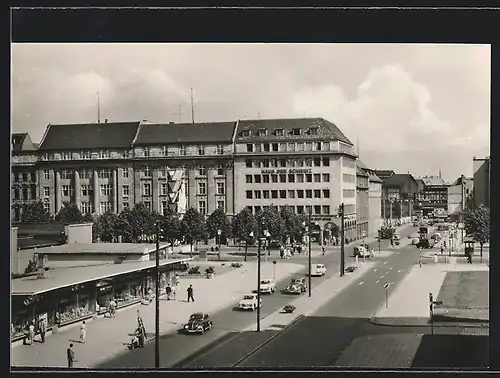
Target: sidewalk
(108, 337)
(409, 303)
(322, 294)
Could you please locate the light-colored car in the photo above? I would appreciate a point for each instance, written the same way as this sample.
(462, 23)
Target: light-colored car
(249, 302)
(415, 238)
(396, 236)
(294, 289)
(267, 286)
(362, 251)
(318, 270)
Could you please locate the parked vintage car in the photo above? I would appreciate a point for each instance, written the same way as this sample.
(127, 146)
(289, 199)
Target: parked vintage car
(198, 322)
(249, 302)
(362, 251)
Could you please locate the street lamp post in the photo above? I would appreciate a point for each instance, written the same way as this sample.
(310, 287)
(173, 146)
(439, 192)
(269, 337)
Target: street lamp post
(219, 233)
(310, 261)
(342, 237)
(157, 299)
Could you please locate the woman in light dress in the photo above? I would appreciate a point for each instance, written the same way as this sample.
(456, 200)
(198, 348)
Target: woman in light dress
(83, 332)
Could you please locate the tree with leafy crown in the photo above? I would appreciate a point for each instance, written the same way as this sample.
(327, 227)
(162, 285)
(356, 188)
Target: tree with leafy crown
(270, 220)
(69, 214)
(171, 226)
(294, 227)
(35, 213)
(244, 223)
(218, 221)
(107, 227)
(477, 225)
(193, 228)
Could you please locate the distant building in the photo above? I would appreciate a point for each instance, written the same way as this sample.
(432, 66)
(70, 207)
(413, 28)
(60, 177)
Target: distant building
(460, 196)
(362, 201)
(369, 200)
(433, 196)
(399, 192)
(384, 174)
(24, 177)
(481, 168)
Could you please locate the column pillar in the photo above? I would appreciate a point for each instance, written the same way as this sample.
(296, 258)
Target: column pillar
(155, 190)
(77, 188)
(192, 189)
(229, 195)
(96, 191)
(115, 190)
(211, 190)
(58, 192)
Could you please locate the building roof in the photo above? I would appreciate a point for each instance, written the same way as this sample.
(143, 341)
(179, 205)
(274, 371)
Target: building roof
(360, 172)
(41, 229)
(374, 178)
(325, 130)
(398, 179)
(22, 142)
(361, 165)
(466, 180)
(30, 243)
(433, 181)
(89, 136)
(213, 132)
(100, 248)
(60, 278)
(384, 173)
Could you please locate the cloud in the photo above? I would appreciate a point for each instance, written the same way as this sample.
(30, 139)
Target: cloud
(390, 108)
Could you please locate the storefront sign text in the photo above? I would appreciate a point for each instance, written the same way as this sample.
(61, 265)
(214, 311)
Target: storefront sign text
(293, 170)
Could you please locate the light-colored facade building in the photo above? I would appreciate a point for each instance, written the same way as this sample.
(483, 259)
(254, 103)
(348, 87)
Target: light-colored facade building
(307, 164)
(481, 169)
(374, 199)
(362, 202)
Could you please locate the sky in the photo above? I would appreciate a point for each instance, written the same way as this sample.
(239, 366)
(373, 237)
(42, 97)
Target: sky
(409, 108)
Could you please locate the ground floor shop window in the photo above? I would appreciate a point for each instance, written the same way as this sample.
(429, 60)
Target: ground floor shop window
(70, 309)
(104, 296)
(124, 294)
(21, 319)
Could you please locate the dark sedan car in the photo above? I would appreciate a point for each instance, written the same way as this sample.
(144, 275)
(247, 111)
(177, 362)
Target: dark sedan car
(198, 323)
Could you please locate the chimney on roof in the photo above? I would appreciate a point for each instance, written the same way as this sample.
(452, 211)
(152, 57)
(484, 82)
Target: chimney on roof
(105, 120)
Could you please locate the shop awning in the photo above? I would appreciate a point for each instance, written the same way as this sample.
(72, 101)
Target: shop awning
(61, 278)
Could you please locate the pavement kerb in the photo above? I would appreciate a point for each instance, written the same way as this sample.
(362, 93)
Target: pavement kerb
(424, 322)
(221, 307)
(297, 319)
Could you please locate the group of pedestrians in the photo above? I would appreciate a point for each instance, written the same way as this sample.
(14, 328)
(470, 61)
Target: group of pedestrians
(34, 328)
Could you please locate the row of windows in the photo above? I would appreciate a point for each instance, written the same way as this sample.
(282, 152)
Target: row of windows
(82, 155)
(25, 193)
(280, 132)
(202, 188)
(202, 206)
(284, 194)
(25, 176)
(287, 163)
(288, 147)
(348, 193)
(292, 178)
(346, 177)
(299, 209)
(181, 150)
(348, 163)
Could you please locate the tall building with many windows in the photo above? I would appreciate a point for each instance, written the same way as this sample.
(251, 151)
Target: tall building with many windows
(24, 178)
(308, 164)
(481, 168)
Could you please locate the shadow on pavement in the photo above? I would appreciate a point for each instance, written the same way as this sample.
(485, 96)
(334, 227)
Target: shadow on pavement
(452, 351)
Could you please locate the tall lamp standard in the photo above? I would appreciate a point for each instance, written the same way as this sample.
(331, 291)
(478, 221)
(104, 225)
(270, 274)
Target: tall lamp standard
(342, 236)
(258, 270)
(219, 233)
(308, 230)
(157, 299)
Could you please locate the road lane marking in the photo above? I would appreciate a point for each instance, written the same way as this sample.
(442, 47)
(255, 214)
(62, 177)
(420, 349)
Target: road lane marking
(377, 281)
(375, 270)
(382, 276)
(385, 262)
(390, 268)
(400, 270)
(361, 283)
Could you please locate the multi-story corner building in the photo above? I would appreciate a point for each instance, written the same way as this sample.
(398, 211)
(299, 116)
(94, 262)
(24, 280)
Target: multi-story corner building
(399, 192)
(308, 164)
(111, 166)
(87, 164)
(481, 169)
(374, 199)
(433, 195)
(24, 178)
(202, 155)
(460, 197)
(362, 201)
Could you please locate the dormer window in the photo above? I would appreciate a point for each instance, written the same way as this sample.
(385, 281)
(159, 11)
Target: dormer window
(262, 132)
(147, 151)
(313, 131)
(279, 132)
(245, 133)
(296, 132)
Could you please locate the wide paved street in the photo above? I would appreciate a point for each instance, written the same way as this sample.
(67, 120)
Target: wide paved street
(179, 349)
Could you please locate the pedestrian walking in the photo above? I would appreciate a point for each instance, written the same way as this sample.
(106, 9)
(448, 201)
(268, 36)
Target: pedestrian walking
(142, 336)
(190, 293)
(43, 329)
(83, 332)
(323, 250)
(31, 331)
(112, 308)
(442, 249)
(71, 356)
(168, 290)
(469, 258)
